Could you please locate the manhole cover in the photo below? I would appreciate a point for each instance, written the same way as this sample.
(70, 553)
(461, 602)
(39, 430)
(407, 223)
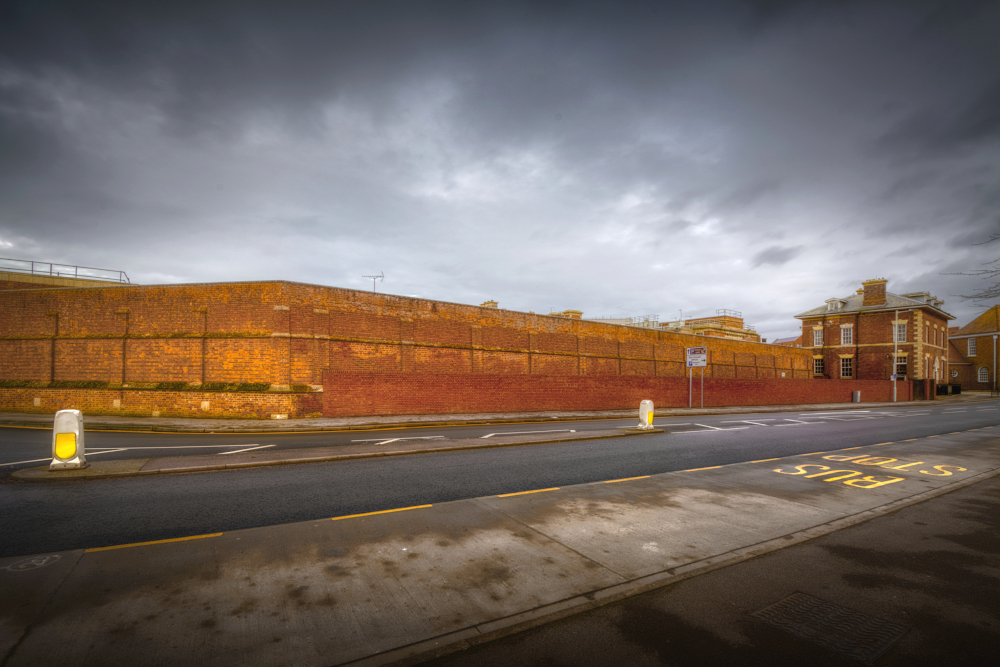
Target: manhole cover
(32, 563)
(834, 627)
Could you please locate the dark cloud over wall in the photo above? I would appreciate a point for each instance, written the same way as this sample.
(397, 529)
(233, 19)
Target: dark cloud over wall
(620, 158)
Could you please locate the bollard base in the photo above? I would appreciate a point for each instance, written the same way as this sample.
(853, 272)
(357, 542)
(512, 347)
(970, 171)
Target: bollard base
(56, 466)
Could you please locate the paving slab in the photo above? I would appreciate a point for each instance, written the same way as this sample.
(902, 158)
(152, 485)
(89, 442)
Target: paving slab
(403, 585)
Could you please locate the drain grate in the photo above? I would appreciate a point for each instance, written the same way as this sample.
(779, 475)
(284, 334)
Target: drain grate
(834, 627)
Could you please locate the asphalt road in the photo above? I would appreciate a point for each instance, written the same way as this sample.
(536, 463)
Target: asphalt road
(39, 518)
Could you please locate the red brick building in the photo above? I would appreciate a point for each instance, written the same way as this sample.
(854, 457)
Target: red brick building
(973, 352)
(856, 337)
(791, 341)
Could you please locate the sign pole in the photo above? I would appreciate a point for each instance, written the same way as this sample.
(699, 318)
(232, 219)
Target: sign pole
(696, 356)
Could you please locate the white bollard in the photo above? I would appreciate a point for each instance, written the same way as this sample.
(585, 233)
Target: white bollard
(68, 451)
(645, 415)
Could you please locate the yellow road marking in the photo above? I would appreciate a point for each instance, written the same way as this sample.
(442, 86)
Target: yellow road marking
(847, 449)
(813, 454)
(695, 469)
(763, 460)
(624, 479)
(521, 493)
(910, 440)
(398, 509)
(142, 544)
(882, 443)
(931, 436)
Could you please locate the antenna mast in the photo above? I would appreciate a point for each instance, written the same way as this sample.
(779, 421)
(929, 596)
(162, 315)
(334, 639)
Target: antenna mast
(380, 276)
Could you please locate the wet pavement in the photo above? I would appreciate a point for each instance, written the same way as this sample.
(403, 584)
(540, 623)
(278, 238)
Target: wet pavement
(914, 587)
(405, 585)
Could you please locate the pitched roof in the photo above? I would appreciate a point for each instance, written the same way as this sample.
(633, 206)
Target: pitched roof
(787, 340)
(988, 322)
(855, 301)
(955, 355)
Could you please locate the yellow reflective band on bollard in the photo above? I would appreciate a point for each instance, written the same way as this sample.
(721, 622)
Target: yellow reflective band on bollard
(66, 445)
(650, 417)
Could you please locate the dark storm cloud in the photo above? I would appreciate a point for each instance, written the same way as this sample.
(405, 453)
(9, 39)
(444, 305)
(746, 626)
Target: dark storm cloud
(945, 131)
(541, 153)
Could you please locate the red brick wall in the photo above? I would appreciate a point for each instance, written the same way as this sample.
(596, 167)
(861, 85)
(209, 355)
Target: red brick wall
(288, 333)
(166, 403)
(348, 395)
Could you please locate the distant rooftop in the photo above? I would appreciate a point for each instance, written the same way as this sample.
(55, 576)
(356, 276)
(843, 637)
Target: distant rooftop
(37, 268)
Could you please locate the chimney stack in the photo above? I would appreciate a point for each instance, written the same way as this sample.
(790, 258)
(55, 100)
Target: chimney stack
(874, 292)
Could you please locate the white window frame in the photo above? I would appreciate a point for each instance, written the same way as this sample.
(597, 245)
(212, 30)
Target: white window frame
(818, 368)
(817, 338)
(899, 333)
(900, 364)
(847, 363)
(847, 335)
(984, 374)
(971, 347)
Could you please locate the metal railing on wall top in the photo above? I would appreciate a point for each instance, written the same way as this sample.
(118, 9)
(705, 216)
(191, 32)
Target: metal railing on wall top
(62, 270)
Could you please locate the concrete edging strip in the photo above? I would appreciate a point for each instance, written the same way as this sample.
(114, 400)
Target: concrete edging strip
(43, 474)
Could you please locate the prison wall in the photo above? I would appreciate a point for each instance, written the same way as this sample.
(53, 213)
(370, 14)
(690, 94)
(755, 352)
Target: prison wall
(306, 350)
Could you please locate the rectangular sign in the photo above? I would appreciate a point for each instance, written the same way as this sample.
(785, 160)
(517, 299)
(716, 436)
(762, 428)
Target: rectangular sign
(697, 356)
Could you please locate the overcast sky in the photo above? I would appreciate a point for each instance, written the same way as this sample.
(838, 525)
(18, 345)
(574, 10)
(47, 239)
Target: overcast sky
(617, 158)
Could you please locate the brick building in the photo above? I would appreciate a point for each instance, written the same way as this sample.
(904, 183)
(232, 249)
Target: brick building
(724, 324)
(285, 349)
(973, 352)
(856, 337)
(791, 341)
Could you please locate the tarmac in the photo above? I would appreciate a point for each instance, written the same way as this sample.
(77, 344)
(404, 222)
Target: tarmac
(412, 584)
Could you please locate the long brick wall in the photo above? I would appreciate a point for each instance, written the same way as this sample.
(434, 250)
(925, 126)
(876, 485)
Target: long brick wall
(401, 393)
(285, 334)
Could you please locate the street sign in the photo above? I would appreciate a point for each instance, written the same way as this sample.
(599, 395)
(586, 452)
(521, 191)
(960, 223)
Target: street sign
(697, 356)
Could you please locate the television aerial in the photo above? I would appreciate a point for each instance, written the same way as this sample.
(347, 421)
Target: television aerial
(380, 276)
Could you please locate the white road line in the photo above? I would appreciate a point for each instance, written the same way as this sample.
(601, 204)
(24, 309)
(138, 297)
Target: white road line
(123, 449)
(716, 428)
(748, 421)
(386, 441)
(563, 430)
(248, 449)
(106, 451)
(838, 412)
(984, 409)
(15, 463)
(713, 429)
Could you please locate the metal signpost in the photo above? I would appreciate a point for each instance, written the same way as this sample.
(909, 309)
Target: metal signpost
(696, 357)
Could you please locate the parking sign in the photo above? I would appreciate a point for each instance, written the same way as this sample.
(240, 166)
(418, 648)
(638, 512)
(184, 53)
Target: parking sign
(697, 356)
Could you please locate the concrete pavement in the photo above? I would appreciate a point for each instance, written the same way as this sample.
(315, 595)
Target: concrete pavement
(211, 425)
(404, 585)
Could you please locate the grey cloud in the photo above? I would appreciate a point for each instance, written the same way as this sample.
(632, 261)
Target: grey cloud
(748, 195)
(543, 154)
(943, 132)
(776, 255)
